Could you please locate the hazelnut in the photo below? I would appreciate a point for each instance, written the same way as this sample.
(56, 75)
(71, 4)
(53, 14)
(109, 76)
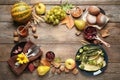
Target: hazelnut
(53, 69)
(58, 71)
(67, 70)
(75, 71)
(15, 34)
(35, 35)
(57, 65)
(62, 68)
(16, 39)
(33, 29)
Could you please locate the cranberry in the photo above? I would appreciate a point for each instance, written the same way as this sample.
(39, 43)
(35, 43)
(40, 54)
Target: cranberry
(50, 55)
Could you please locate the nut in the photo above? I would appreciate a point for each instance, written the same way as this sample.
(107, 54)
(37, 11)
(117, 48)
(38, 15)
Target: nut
(53, 69)
(75, 71)
(77, 33)
(15, 34)
(57, 65)
(66, 70)
(35, 35)
(58, 71)
(33, 29)
(62, 68)
(16, 39)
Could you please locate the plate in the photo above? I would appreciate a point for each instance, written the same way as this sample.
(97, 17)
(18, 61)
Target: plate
(21, 45)
(97, 72)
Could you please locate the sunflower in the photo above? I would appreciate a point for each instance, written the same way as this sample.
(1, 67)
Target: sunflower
(22, 58)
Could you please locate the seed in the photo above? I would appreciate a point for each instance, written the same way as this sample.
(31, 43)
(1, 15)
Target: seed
(16, 39)
(15, 34)
(33, 29)
(75, 71)
(62, 68)
(35, 35)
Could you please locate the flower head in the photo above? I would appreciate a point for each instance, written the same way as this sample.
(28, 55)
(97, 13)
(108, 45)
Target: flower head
(22, 58)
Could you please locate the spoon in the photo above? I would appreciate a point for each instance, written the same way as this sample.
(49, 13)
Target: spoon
(105, 43)
(90, 33)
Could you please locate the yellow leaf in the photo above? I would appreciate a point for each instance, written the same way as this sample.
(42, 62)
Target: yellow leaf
(68, 21)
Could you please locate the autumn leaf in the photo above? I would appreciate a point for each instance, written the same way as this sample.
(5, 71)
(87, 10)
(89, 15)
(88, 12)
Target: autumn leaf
(45, 62)
(104, 33)
(68, 21)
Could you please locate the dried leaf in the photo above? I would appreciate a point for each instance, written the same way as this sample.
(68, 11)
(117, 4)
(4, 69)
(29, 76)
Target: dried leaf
(45, 62)
(68, 21)
(70, 24)
(104, 33)
(31, 67)
(65, 21)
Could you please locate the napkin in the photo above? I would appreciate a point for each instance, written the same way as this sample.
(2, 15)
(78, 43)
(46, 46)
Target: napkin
(18, 70)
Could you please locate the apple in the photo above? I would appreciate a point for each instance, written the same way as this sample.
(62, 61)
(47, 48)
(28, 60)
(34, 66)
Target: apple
(70, 63)
(40, 8)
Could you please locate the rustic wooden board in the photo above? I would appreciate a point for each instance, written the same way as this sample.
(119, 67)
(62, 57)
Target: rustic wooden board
(61, 40)
(112, 11)
(62, 50)
(56, 34)
(108, 75)
(59, 1)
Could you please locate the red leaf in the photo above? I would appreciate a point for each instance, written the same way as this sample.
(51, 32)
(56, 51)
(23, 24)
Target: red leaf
(31, 67)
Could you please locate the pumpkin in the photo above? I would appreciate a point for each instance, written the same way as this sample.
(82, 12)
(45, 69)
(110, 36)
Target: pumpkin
(21, 12)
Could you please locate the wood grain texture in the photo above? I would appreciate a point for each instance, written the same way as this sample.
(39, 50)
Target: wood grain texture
(61, 40)
(108, 75)
(62, 50)
(56, 34)
(59, 1)
(112, 11)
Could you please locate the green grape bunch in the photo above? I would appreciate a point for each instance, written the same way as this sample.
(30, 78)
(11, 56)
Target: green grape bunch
(55, 15)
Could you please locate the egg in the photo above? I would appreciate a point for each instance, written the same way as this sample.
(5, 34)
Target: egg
(91, 19)
(94, 10)
(101, 19)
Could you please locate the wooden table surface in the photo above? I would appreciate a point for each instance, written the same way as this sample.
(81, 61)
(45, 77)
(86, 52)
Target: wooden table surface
(61, 40)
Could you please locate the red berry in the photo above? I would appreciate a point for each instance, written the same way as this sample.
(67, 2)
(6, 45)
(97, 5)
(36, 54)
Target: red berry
(31, 67)
(50, 56)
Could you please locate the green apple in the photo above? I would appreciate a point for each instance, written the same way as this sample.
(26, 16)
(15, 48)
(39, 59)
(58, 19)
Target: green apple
(40, 8)
(80, 24)
(70, 63)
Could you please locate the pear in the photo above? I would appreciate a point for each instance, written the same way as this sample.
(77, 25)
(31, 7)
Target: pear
(42, 70)
(80, 24)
